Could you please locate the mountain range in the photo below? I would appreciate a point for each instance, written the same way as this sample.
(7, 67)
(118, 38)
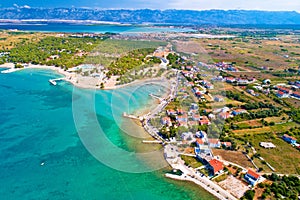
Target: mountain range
(191, 17)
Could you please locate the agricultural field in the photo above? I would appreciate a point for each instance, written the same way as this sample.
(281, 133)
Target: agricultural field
(251, 54)
(278, 128)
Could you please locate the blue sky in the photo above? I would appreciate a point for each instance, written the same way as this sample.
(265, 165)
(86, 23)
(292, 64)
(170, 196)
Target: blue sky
(290, 5)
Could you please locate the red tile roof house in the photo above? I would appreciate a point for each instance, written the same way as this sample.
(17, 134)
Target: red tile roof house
(199, 142)
(196, 117)
(252, 177)
(182, 118)
(226, 144)
(184, 72)
(180, 111)
(171, 112)
(204, 120)
(224, 115)
(182, 89)
(216, 166)
(198, 94)
(281, 94)
(218, 98)
(166, 121)
(214, 143)
(289, 139)
(285, 90)
(185, 95)
(296, 95)
(230, 79)
(195, 89)
(190, 84)
(209, 86)
(189, 68)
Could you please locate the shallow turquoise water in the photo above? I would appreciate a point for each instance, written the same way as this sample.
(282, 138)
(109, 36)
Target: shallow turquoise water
(79, 28)
(37, 126)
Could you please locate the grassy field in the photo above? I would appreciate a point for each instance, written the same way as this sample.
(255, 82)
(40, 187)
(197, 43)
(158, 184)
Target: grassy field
(191, 161)
(293, 102)
(220, 178)
(233, 156)
(278, 128)
(249, 123)
(284, 158)
(277, 119)
(226, 101)
(249, 52)
(10, 39)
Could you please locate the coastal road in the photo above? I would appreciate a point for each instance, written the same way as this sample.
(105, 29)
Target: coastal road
(190, 174)
(153, 131)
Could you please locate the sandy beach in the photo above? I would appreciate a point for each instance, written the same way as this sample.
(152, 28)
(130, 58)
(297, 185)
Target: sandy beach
(85, 82)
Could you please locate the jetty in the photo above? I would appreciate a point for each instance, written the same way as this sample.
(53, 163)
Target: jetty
(54, 81)
(156, 97)
(152, 141)
(132, 116)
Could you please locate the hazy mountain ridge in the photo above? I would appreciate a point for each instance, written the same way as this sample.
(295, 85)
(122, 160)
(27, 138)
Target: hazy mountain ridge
(215, 17)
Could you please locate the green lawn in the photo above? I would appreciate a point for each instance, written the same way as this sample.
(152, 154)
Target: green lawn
(220, 178)
(191, 161)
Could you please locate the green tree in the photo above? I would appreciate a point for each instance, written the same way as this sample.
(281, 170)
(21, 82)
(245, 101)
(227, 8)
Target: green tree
(249, 195)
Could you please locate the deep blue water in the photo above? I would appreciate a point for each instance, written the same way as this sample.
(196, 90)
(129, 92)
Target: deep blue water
(73, 28)
(40, 123)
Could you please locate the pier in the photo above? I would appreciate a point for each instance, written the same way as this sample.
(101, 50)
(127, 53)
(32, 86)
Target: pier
(156, 97)
(54, 81)
(132, 116)
(152, 141)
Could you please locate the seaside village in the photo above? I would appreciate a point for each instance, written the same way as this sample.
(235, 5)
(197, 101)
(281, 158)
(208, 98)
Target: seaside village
(184, 116)
(191, 130)
(194, 121)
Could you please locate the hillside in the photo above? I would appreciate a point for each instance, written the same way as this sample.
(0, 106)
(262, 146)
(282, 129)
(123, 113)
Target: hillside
(213, 17)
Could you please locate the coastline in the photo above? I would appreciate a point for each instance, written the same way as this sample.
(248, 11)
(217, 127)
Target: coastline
(61, 153)
(78, 80)
(68, 77)
(63, 21)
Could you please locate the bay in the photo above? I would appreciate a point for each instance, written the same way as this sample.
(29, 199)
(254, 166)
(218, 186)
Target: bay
(44, 157)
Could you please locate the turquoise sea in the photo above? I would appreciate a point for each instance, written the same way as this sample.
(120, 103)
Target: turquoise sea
(42, 150)
(83, 28)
